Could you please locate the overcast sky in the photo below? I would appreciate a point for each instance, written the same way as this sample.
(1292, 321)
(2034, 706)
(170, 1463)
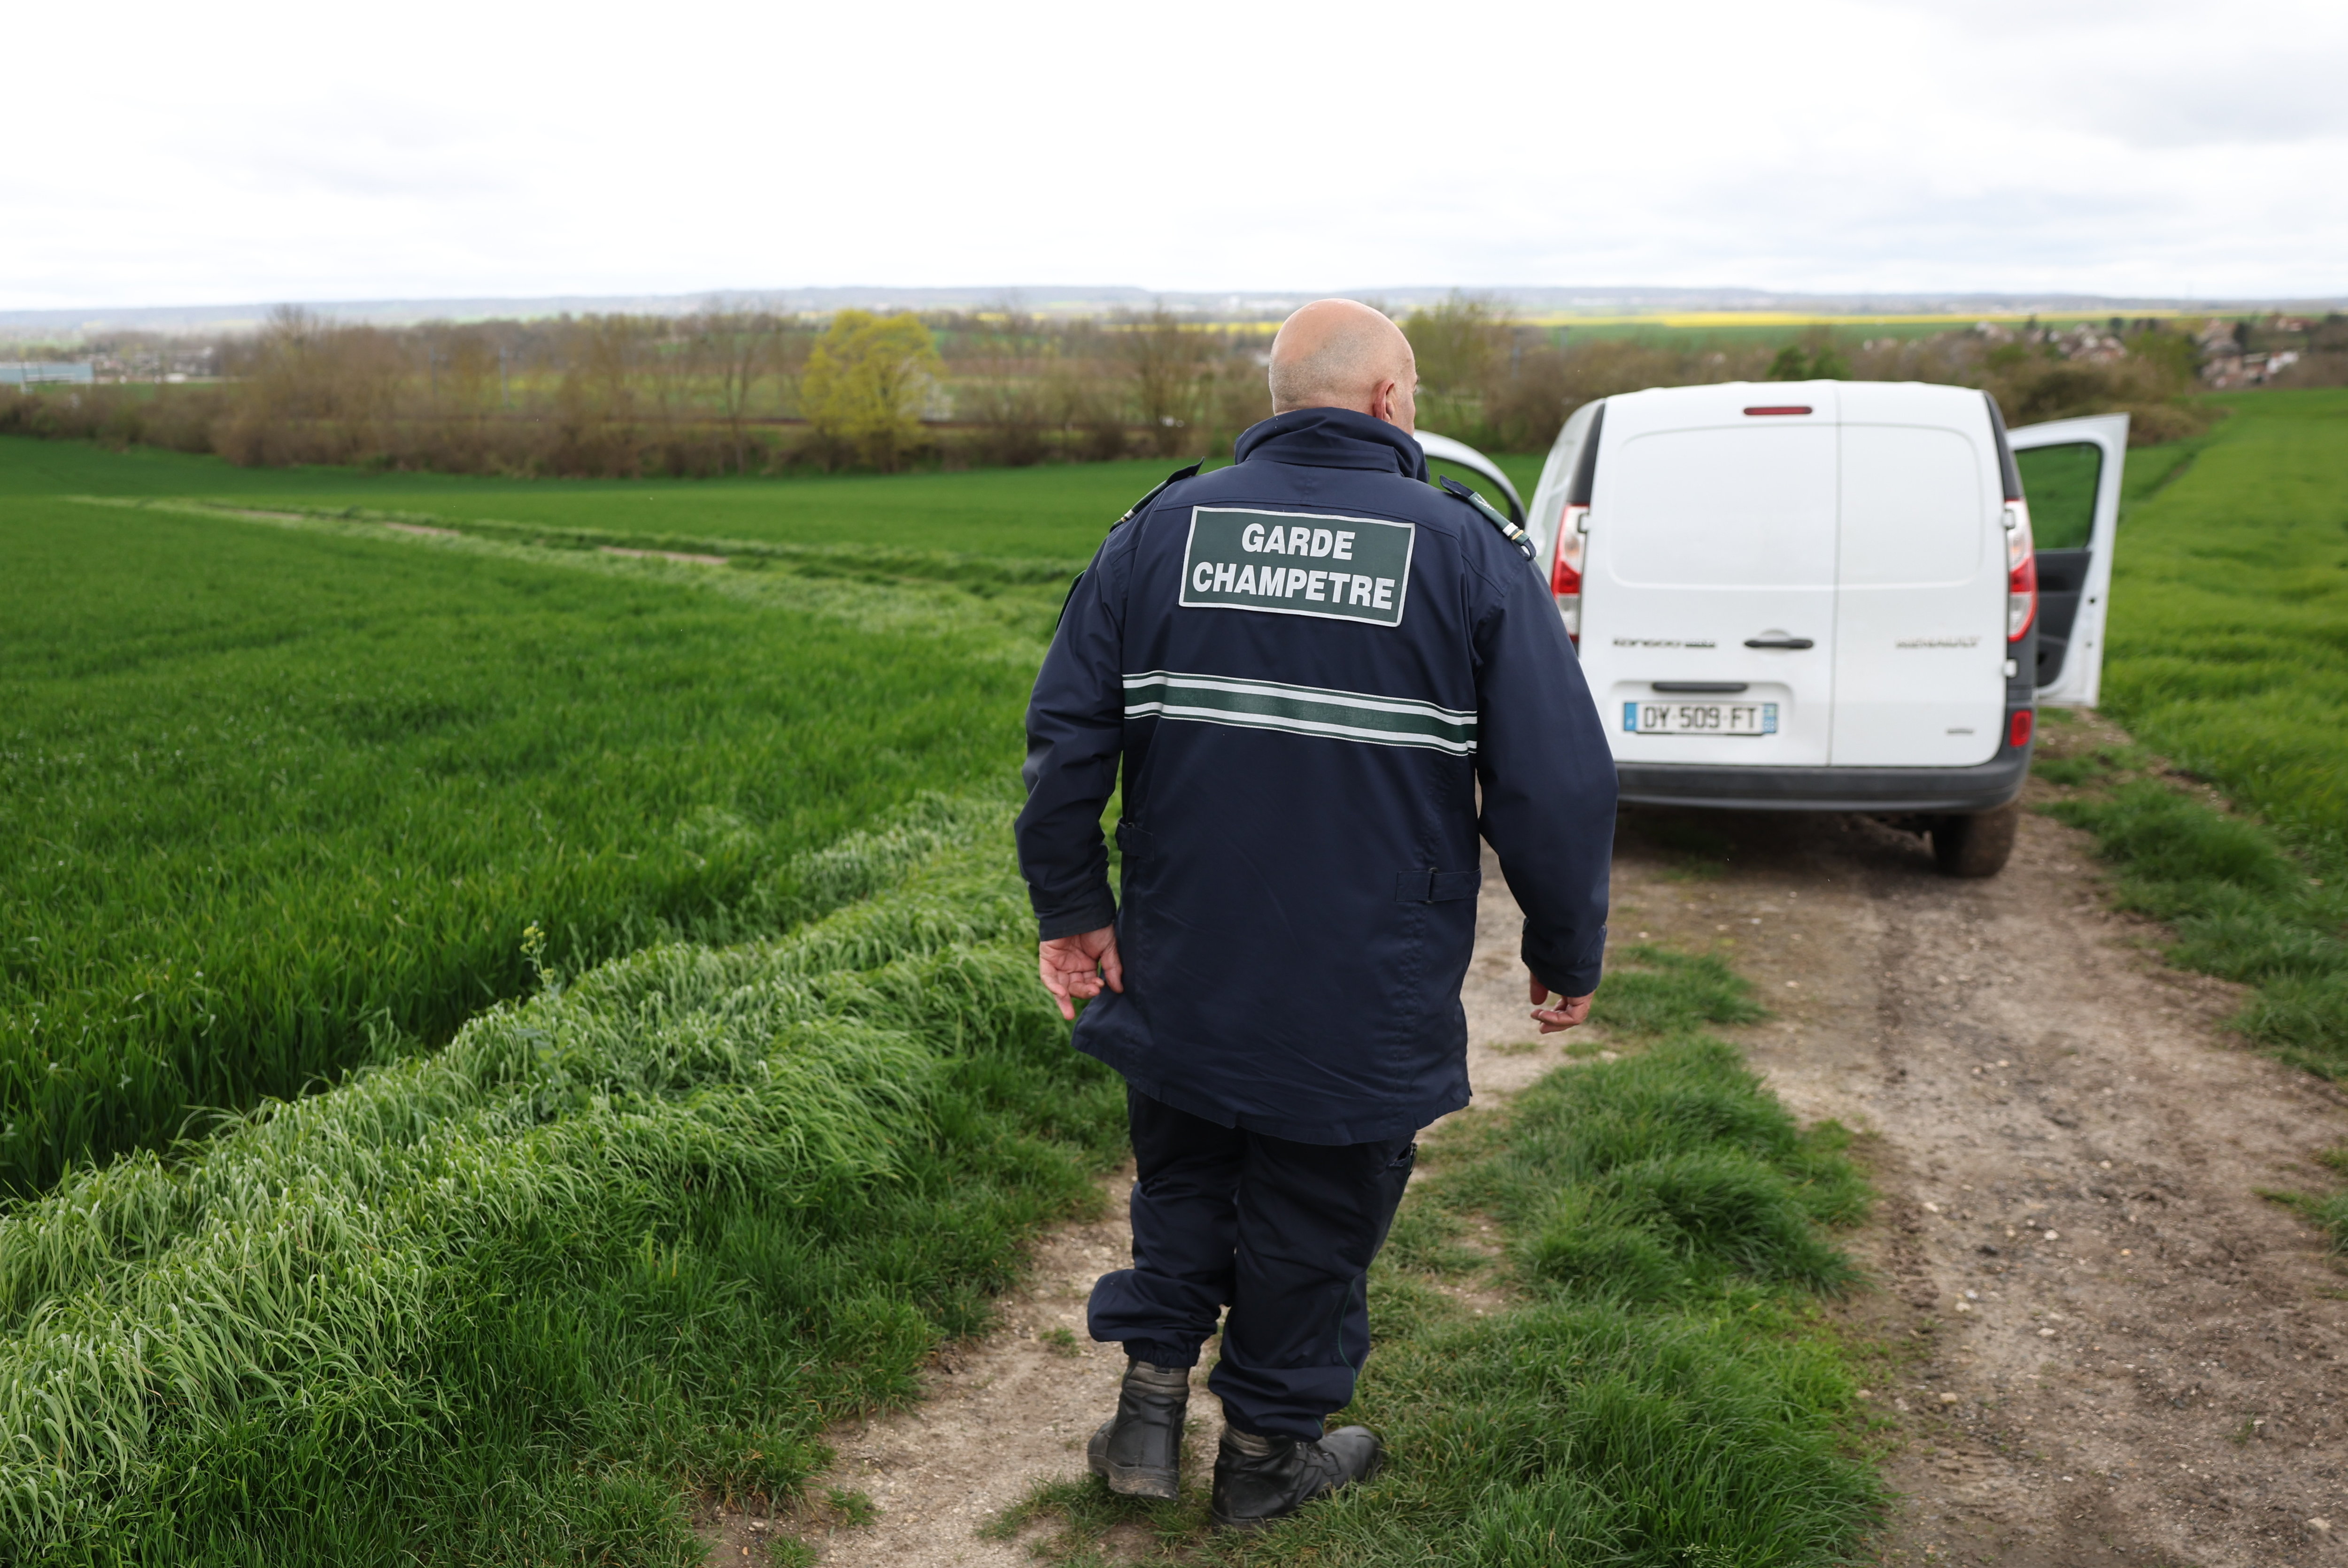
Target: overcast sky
(237, 151)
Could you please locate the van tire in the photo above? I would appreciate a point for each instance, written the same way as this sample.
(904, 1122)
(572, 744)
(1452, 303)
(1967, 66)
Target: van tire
(1978, 845)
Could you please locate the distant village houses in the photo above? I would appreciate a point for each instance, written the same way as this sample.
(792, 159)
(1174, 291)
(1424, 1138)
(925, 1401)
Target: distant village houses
(2227, 362)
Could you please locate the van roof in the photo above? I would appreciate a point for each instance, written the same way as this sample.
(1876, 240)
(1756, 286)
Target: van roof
(1721, 404)
(1863, 400)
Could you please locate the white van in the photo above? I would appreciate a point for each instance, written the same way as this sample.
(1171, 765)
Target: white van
(1826, 595)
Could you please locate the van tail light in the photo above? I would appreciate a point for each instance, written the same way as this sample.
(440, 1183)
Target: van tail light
(1565, 575)
(2018, 728)
(2021, 572)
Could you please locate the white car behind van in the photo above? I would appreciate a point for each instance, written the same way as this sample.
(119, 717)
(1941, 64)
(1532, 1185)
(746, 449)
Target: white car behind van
(1827, 595)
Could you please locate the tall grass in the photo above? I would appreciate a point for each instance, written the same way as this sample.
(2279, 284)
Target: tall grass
(275, 803)
(1656, 1392)
(2242, 904)
(636, 1236)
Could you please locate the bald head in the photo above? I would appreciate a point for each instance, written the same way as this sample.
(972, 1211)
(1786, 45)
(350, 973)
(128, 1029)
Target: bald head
(1335, 354)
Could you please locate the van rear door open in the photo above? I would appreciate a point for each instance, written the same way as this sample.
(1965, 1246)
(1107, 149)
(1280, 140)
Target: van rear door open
(1709, 630)
(1920, 639)
(2071, 471)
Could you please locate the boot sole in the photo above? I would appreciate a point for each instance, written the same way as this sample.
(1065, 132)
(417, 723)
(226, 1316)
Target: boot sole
(1134, 1480)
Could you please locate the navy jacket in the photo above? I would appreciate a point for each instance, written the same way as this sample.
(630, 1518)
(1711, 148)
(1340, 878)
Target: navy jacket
(1306, 662)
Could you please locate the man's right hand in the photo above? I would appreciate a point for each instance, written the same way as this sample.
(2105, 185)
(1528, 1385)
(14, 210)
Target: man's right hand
(1575, 1011)
(1075, 966)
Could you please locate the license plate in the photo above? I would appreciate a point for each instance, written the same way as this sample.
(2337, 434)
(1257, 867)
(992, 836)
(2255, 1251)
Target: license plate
(1700, 718)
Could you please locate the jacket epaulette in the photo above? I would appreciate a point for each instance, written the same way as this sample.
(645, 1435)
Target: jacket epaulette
(1176, 478)
(1508, 530)
(1131, 512)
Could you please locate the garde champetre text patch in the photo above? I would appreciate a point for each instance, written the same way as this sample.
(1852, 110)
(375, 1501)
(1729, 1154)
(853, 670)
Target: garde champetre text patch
(1298, 563)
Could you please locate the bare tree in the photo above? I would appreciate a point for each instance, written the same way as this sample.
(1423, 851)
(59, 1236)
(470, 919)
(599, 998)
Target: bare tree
(739, 347)
(1167, 355)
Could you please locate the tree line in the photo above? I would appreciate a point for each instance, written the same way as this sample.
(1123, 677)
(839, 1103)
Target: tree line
(740, 390)
(723, 391)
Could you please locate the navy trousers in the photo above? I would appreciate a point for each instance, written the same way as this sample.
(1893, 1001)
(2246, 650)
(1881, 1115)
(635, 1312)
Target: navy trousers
(1280, 1232)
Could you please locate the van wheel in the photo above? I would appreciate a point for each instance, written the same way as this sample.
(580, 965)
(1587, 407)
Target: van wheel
(1978, 845)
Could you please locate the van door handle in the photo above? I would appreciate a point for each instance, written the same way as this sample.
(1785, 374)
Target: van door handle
(1779, 642)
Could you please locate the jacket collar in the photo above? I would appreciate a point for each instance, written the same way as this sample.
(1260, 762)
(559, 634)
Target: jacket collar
(1332, 438)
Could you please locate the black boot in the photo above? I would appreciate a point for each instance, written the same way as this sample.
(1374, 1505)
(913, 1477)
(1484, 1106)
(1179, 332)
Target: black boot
(1139, 1452)
(1258, 1480)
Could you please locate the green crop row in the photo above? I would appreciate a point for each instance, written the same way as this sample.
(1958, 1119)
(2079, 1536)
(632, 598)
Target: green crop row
(641, 1235)
(1658, 1389)
(277, 799)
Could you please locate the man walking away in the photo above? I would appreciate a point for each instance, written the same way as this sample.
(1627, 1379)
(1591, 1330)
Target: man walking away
(1305, 664)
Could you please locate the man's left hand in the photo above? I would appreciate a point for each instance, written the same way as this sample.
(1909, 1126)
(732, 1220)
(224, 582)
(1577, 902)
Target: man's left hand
(1575, 1010)
(1075, 966)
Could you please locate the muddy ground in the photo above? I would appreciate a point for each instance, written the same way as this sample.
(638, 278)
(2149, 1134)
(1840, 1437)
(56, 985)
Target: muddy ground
(2091, 1339)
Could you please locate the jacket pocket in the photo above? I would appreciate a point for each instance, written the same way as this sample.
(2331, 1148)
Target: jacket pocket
(1436, 886)
(1132, 843)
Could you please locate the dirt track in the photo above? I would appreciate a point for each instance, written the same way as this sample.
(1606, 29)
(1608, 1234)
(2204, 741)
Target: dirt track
(2104, 1345)
(2115, 1350)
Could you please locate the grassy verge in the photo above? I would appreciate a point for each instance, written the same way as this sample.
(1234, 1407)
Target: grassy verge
(2245, 904)
(638, 1237)
(1649, 1382)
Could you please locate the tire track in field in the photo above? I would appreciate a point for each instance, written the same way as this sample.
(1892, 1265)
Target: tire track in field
(1010, 623)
